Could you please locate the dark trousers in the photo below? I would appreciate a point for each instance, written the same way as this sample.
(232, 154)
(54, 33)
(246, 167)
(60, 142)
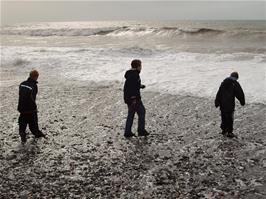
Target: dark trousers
(227, 121)
(30, 119)
(132, 109)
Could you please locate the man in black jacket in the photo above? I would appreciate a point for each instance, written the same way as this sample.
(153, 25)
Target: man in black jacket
(28, 108)
(133, 99)
(225, 98)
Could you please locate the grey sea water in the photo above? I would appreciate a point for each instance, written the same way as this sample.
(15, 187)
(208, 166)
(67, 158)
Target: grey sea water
(190, 57)
(192, 36)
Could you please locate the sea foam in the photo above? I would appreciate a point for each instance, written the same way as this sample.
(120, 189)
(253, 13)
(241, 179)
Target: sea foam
(188, 58)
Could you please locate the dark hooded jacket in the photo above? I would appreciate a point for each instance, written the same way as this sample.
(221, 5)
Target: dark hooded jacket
(27, 96)
(132, 86)
(225, 97)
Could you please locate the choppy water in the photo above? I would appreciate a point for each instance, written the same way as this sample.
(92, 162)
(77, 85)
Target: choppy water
(189, 57)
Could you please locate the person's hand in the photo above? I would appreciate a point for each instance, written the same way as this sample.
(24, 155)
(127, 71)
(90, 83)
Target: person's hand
(142, 86)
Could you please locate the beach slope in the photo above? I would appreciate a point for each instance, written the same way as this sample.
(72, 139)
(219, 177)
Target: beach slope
(86, 156)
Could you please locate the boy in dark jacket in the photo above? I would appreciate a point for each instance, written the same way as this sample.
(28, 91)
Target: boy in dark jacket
(28, 108)
(133, 99)
(225, 98)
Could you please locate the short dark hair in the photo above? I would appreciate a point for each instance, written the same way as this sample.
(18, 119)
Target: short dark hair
(135, 63)
(34, 73)
(234, 74)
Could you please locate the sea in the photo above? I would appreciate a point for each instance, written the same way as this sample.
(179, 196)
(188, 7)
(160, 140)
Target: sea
(178, 57)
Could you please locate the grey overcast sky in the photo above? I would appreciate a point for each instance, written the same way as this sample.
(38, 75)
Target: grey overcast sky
(39, 11)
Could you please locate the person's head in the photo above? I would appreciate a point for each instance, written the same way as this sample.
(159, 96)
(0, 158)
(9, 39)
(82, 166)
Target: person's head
(34, 74)
(234, 74)
(136, 64)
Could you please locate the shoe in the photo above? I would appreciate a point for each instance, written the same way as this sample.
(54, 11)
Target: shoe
(231, 135)
(143, 133)
(129, 135)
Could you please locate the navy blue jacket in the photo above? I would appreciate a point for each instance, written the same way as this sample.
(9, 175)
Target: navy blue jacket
(132, 86)
(27, 96)
(225, 97)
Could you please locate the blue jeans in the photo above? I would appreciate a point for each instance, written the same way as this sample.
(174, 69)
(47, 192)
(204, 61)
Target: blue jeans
(132, 109)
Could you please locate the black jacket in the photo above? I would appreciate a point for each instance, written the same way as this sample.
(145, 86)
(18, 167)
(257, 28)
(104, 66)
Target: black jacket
(225, 97)
(27, 96)
(132, 86)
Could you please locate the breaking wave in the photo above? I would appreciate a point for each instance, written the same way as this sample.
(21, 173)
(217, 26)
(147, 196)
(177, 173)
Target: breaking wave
(58, 32)
(194, 31)
(128, 31)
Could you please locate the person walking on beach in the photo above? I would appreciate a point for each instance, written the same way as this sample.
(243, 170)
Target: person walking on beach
(132, 98)
(28, 108)
(225, 99)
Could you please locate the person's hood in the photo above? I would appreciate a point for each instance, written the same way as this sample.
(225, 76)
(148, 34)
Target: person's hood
(232, 78)
(229, 81)
(131, 73)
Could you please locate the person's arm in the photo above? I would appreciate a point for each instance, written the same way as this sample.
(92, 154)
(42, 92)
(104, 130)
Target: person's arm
(239, 93)
(26, 101)
(134, 86)
(218, 98)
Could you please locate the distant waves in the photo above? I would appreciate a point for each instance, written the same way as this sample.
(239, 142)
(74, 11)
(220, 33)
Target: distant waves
(134, 31)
